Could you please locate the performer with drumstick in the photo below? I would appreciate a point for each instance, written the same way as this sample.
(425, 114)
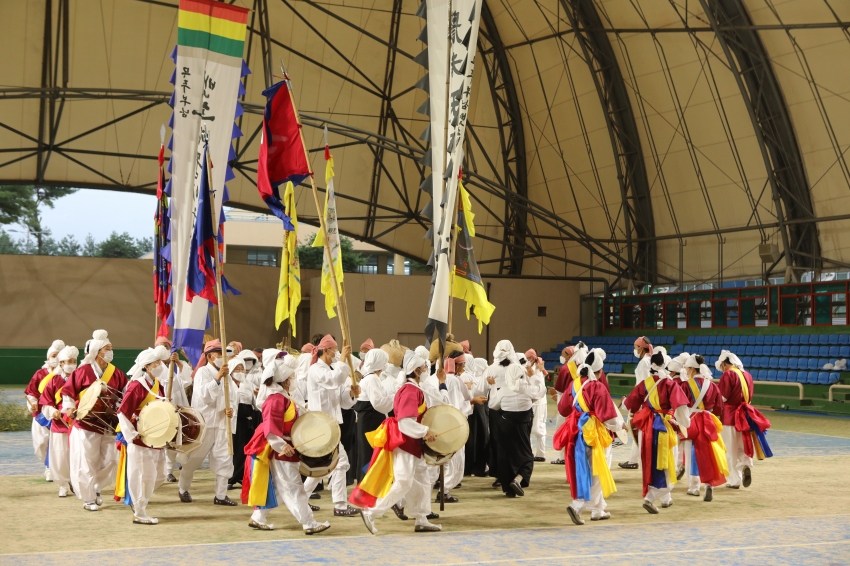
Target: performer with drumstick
(208, 399)
(145, 464)
(397, 469)
(271, 465)
(93, 454)
(49, 405)
(182, 380)
(40, 426)
(590, 414)
(660, 408)
(329, 390)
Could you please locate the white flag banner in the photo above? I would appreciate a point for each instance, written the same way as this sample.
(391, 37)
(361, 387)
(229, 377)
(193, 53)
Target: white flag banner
(452, 34)
(207, 84)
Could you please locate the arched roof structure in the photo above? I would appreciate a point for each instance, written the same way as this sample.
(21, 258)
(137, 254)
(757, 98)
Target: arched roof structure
(645, 141)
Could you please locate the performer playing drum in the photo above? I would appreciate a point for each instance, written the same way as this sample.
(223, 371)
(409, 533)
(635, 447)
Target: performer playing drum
(316, 437)
(93, 454)
(145, 463)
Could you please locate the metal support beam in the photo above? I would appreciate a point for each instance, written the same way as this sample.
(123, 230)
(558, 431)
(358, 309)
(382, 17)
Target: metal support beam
(625, 140)
(750, 64)
(511, 139)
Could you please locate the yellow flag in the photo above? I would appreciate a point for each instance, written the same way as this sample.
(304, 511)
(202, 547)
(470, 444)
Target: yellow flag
(289, 284)
(333, 241)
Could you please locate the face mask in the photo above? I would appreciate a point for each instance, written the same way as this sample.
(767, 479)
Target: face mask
(68, 368)
(336, 357)
(107, 356)
(563, 360)
(636, 353)
(248, 365)
(53, 362)
(157, 371)
(217, 362)
(238, 376)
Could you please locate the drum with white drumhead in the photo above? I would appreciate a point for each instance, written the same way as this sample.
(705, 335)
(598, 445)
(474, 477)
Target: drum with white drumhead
(158, 423)
(450, 427)
(98, 407)
(315, 437)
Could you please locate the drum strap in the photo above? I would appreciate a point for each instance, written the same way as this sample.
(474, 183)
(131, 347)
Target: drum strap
(153, 393)
(107, 375)
(43, 383)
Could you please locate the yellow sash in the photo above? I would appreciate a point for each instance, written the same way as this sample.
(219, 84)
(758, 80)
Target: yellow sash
(596, 436)
(666, 442)
(107, 375)
(289, 415)
(652, 393)
(152, 394)
(744, 389)
(696, 391)
(260, 477)
(43, 383)
(718, 447)
(58, 396)
(422, 408)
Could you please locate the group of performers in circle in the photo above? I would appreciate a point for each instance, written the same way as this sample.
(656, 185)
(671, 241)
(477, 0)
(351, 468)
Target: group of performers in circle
(100, 429)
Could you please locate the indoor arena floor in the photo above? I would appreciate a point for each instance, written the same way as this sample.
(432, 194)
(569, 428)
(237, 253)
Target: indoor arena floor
(796, 511)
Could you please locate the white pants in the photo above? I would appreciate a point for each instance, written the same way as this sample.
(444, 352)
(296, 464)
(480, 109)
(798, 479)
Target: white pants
(93, 461)
(410, 482)
(596, 503)
(453, 474)
(538, 428)
(290, 492)
(336, 481)
(170, 460)
(735, 456)
(688, 452)
(663, 494)
(634, 454)
(145, 473)
(559, 420)
(40, 439)
(221, 462)
(60, 459)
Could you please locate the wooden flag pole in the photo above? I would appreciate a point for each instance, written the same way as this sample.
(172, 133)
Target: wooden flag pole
(170, 380)
(341, 305)
(220, 295)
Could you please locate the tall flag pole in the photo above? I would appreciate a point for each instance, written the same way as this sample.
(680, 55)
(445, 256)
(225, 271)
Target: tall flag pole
(207, 84)
(323, 228)
(161, 249)
(449, 59)
(332, 259)
(282, 161)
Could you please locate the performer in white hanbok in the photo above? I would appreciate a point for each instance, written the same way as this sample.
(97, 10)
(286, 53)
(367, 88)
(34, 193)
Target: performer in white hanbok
(40, 426)
(50, 405)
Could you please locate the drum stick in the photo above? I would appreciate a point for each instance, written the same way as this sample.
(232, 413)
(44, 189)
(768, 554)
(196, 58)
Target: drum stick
(156, 427)
(309, 441)
(451, 429)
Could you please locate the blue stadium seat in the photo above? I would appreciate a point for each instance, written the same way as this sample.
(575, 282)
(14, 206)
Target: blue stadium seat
(834, 377)
(804, 339)
(792, 376)
(760, 339)
(823, 339)
(813, 377)
(771, 375)
(776, 350)
(804, 352)
(783, 363)
(751, 339)
(773, 363)
(834, 351)
(812, 364)
(822, 362)
(763, 362)
(844, 351)
(792, 363)
(735, 340)
(833, 339)
(823, 378)
(795, 339)
(794, 351)
(823, 351)
(785, 340)
(759, 350)
(712, 340)
(782, 375)
(844, 339)
(774, 339)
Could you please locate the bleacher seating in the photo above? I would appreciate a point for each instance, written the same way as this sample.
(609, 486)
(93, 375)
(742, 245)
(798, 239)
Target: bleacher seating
(768, 357)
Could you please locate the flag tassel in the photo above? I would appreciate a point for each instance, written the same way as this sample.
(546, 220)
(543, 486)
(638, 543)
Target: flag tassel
(343, 305)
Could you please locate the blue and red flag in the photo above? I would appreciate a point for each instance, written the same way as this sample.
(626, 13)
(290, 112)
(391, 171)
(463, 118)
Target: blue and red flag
(282, 156)
(161, 251)
(200, 280)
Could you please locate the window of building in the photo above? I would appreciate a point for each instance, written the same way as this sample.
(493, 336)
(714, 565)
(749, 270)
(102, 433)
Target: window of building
(262, 256)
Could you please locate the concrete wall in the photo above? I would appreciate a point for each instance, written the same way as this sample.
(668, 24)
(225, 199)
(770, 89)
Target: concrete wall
(401, 310)
(44, 298)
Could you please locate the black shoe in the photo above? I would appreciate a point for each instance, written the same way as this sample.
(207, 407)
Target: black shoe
(650, 508)
(447, 499)
(399, 512)
(231, 486)
(458, 486)
(315, 496)
(185, 497)
(709, 493)
(734, 486)
(497, 483)
(557, 462)
(432, 515)
(347, 512)
(617, 442)
(679, 473)
(628, 466)
(748, 477)
(226, 501)
(539, 459)
(575, 516)
(314, 508)
(516, 488)
(666, 505)
(170, 478)
(510, 494)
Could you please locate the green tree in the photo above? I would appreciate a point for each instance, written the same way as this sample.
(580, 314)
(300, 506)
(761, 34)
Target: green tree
(68, 246)
(16, 203)
(311, 258)
(8, 245)
(123, 245)
(41, 196)
(89, 247)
